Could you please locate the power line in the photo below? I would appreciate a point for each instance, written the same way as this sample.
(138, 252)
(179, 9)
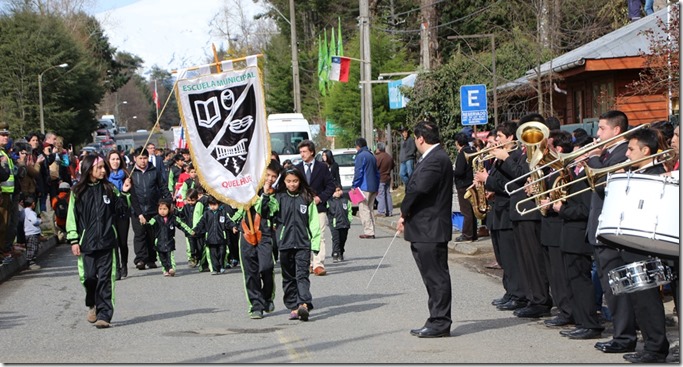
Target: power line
(420, 8)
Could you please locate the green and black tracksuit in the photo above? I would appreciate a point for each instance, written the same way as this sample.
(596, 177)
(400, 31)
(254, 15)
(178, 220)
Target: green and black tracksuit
(90, 223)
(232, 257)
(214, 224)
(164, 238)
(339, 215)
(257, 260)
(298, 234)
(202, 259)
(186, 215)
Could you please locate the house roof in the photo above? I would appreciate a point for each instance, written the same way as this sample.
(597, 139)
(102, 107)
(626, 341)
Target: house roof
(626, 41)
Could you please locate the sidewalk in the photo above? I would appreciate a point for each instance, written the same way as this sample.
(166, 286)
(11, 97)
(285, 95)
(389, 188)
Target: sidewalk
(20, 263)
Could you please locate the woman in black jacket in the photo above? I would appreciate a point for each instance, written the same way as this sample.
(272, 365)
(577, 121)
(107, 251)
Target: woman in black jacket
(93, 208)
(328, 158)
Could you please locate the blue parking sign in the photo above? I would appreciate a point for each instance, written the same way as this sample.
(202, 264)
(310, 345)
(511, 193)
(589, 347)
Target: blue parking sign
(473, 104)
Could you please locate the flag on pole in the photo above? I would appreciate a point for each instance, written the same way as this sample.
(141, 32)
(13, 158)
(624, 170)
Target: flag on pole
(340, 48)
(225, 118)
(333, 45)
(321, 66)
(339, 71)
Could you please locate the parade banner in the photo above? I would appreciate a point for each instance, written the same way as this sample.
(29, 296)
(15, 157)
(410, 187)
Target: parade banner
(224, 118)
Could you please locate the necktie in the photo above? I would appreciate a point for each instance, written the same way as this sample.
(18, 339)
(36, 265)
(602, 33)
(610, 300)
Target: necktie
(604, 156)
(308, 172)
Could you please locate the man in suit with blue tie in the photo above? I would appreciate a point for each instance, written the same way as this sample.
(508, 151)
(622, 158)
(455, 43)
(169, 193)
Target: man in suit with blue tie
(426, 223)
(320, 180)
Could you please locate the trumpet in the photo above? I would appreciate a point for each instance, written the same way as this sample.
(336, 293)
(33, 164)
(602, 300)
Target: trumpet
(486, 151)
(565, 160)
(593, 175)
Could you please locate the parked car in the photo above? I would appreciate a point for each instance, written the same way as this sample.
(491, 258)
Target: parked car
(122, 130)
(141, 131)
(102, 135)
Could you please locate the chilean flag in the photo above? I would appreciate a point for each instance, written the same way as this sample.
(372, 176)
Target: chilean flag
(339, 69)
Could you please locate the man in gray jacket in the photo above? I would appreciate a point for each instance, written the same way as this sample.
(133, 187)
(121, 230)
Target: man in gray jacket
(406, 155)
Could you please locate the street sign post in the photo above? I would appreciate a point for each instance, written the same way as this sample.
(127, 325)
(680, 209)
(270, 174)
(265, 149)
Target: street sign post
(331, 130)
(473, 105)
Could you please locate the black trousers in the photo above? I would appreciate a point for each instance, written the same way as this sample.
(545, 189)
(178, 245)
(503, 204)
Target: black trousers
(649, 312)
(527, 234)
(143, 242)
(578, 271)
(432, 262)
(97, 274)
(216, 256)
(559, 284)
(469, 224)
(166, 259)
(339, 240)
(507, 259)
(257, 268)
(122, 228)
(296, 286)
(233, 245)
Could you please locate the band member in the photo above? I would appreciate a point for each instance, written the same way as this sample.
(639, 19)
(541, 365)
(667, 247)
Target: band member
(576, 257)
(610, 124)
(462, 174)
(500, 226)
(527, 234)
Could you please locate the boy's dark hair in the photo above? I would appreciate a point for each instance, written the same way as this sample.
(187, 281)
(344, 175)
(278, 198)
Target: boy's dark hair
(178, 157)
(361, 142)
(508, 129)
(200, 189)
(166, 202)
(616, 118)
(533, 117)
(190, 166)
(212, 200)
(141, 151)
(429, 131)
(582, 141)
(646, 137)
(274, 166)
(461, 139)
(579, 133)
(552, 123)
(308, 144)
(193, 194)
(562, 139)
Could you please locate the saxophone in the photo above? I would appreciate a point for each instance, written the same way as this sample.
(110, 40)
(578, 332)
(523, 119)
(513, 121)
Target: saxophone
(476, 195)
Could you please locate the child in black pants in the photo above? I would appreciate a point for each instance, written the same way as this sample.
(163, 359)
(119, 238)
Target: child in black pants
(187, 215)
(163, 225)
(214, 224)
(339, 215)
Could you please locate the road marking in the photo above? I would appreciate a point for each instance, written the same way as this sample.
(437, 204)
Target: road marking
(289, 344)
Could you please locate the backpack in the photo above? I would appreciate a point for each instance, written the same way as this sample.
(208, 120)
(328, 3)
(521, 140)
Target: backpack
(62, 207)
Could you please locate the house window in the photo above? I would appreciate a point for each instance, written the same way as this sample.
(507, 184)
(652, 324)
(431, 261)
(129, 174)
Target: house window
(603, 97)
(578, 106)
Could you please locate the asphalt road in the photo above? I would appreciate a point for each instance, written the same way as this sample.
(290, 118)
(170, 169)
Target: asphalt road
(199, 318)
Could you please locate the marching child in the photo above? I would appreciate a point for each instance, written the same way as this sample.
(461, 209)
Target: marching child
(201, 206)
(213, 225)
(164, 224)
(187, 216)
(339, 215)
(256, 254)
(60, 206)
(94, 206)
(298, 234)
(32, 232)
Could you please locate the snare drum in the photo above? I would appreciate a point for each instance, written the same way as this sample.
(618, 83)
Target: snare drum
(640, 212)
(639, 276)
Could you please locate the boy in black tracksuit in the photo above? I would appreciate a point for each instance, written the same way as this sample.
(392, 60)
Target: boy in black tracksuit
(214, 224)
(232, 258)
(201, 206)
(256, 259)
(186, 215)
(164, 225)
(339, 215)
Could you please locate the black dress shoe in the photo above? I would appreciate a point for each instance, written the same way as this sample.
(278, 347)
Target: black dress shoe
(500, 301)
(140, 265)
(124, 271)
(152, 265)
(416, 331)
(558, 321)
(427, 332)
(463, 238)
(614, 347)
(533, 311)
(511, 305)
(581, 333)
(645, 357)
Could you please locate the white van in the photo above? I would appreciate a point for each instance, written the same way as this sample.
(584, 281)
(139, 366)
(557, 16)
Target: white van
(287, 130)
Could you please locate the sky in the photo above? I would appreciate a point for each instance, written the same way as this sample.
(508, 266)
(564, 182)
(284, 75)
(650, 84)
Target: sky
(168, 33)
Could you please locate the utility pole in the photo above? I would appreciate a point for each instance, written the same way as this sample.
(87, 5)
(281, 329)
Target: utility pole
(366, 71)
(295, 59)
(424, 35)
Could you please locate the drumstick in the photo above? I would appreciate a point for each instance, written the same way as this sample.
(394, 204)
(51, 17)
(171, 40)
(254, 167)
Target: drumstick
(380, 262)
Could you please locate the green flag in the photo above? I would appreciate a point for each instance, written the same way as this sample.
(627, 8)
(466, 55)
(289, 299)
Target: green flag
(333, 44)
(321, 67)
(340, 48)
(326, 63)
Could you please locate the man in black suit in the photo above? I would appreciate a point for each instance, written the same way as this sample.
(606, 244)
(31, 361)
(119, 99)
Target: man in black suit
(157, 161)
(610, 124)
(321, 182)
(426, 220)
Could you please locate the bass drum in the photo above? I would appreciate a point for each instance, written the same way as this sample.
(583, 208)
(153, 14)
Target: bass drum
(639, 276)
(641, 214)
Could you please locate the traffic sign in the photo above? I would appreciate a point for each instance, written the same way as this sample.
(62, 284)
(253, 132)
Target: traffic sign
(331, 129)
(473, 104)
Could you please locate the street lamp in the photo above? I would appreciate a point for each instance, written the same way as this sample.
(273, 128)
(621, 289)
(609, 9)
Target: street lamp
(40, 93)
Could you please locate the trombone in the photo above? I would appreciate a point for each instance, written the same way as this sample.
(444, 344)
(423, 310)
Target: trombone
(592, 176)
(566, 160)
(486, 151)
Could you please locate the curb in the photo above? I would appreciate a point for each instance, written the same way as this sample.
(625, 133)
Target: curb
(20, 263)
(466, 248)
